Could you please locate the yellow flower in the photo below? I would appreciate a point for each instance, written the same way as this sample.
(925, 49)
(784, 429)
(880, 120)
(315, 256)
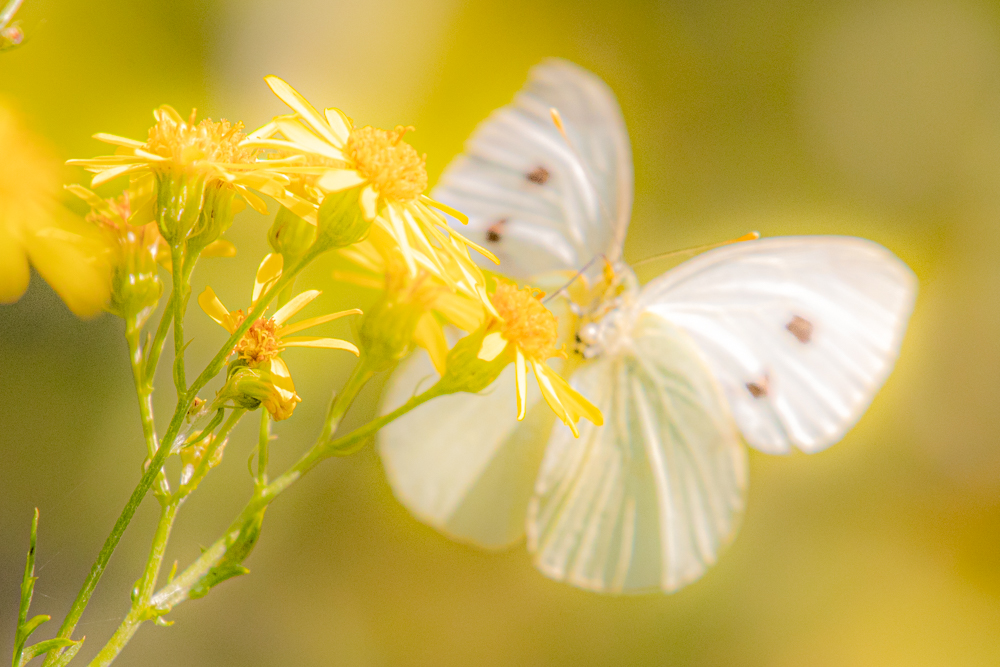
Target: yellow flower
(424, 298)
(260, 347)
(205, 161)
(527, 331)
(35, 228)
(389, 176)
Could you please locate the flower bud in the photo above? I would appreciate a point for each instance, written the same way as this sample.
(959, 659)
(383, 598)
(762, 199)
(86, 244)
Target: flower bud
(291, 236)
(465, 371)
(135, 283)
(387, 328)
(249, 388)
(217, 212)
(341, 221)
(179, 200)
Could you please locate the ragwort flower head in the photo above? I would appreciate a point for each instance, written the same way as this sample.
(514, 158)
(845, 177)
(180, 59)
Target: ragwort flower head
(527, 332)
(194, 165)
(259, 371)
(386, 176)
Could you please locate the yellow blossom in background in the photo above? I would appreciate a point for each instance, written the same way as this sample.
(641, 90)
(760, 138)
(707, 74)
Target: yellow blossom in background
(36, 229)
(389, 177)
(260, 347)
(527, 331)
(378, 266)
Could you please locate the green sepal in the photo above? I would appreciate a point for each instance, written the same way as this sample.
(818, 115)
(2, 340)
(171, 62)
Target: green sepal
(38, 649)
(240, 546)
(465, 371)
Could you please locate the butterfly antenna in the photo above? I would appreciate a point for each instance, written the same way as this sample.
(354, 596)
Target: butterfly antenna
(558, 122)
(576, 276)
(752, 236)
(8, 12)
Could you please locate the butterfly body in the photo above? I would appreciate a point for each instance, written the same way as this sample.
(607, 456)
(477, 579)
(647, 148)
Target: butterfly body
(777, 343)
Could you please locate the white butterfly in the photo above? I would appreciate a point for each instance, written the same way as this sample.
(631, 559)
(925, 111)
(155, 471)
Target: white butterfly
(784, 341)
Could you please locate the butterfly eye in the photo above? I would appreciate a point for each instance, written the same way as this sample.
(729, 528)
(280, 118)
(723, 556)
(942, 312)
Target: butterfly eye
(588, 334)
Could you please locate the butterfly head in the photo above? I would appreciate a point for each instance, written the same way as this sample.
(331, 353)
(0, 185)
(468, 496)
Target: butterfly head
(598, 304)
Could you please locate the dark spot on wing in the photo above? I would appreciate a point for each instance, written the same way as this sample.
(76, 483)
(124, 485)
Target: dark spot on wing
(758, 389)
(801, 328)
(494, 233)
(539, 176)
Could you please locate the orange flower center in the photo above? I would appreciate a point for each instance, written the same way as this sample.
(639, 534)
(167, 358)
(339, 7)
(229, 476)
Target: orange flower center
(386, 161)
(260, 343)
(187, 142)
(526, 322)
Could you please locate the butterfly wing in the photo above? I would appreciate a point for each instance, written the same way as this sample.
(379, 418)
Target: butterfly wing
(463, 463)
(536, 201)
(801, 332)
(647, 500)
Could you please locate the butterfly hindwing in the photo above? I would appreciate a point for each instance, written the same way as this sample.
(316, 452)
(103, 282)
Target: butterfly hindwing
(801, 332)
(463, 463)
(647, 500)
(538, 202)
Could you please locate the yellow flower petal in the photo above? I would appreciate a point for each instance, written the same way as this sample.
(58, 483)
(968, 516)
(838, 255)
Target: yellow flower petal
(256, 203)
(310, 116)
(327, 343)
(296, 133)
(493, 345)
(315, 321)
(399, 233)
(118, 141)
(214, 309)
(336, 180)
(455, 213)
(568, 404)
(340, 124)
(522, 384)
(297, 303)
(14, 273)
(219, 248)
(429, 335)
(269, 271)
(369, 202)
(110, 174)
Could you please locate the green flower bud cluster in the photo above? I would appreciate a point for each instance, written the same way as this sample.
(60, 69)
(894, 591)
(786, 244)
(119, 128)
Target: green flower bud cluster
(465, 371)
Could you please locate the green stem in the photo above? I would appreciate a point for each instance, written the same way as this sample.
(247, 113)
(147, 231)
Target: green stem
(141, 611)
(144, 588)
(360, 376)
(205, 464)
(156, 464)
(263, 440)
(156, 348)
(144, 392)
(180, 290)
(178, 590)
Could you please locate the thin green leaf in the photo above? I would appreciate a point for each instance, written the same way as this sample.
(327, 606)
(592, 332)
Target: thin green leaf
(66, 656)
(44, 647)
(27, 590)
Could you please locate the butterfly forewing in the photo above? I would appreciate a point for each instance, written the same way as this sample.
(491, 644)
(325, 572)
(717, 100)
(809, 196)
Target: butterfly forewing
(801, 332)
(538, 202)
(647, 500)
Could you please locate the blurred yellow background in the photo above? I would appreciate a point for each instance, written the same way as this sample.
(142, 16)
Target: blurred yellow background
(879, 119)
